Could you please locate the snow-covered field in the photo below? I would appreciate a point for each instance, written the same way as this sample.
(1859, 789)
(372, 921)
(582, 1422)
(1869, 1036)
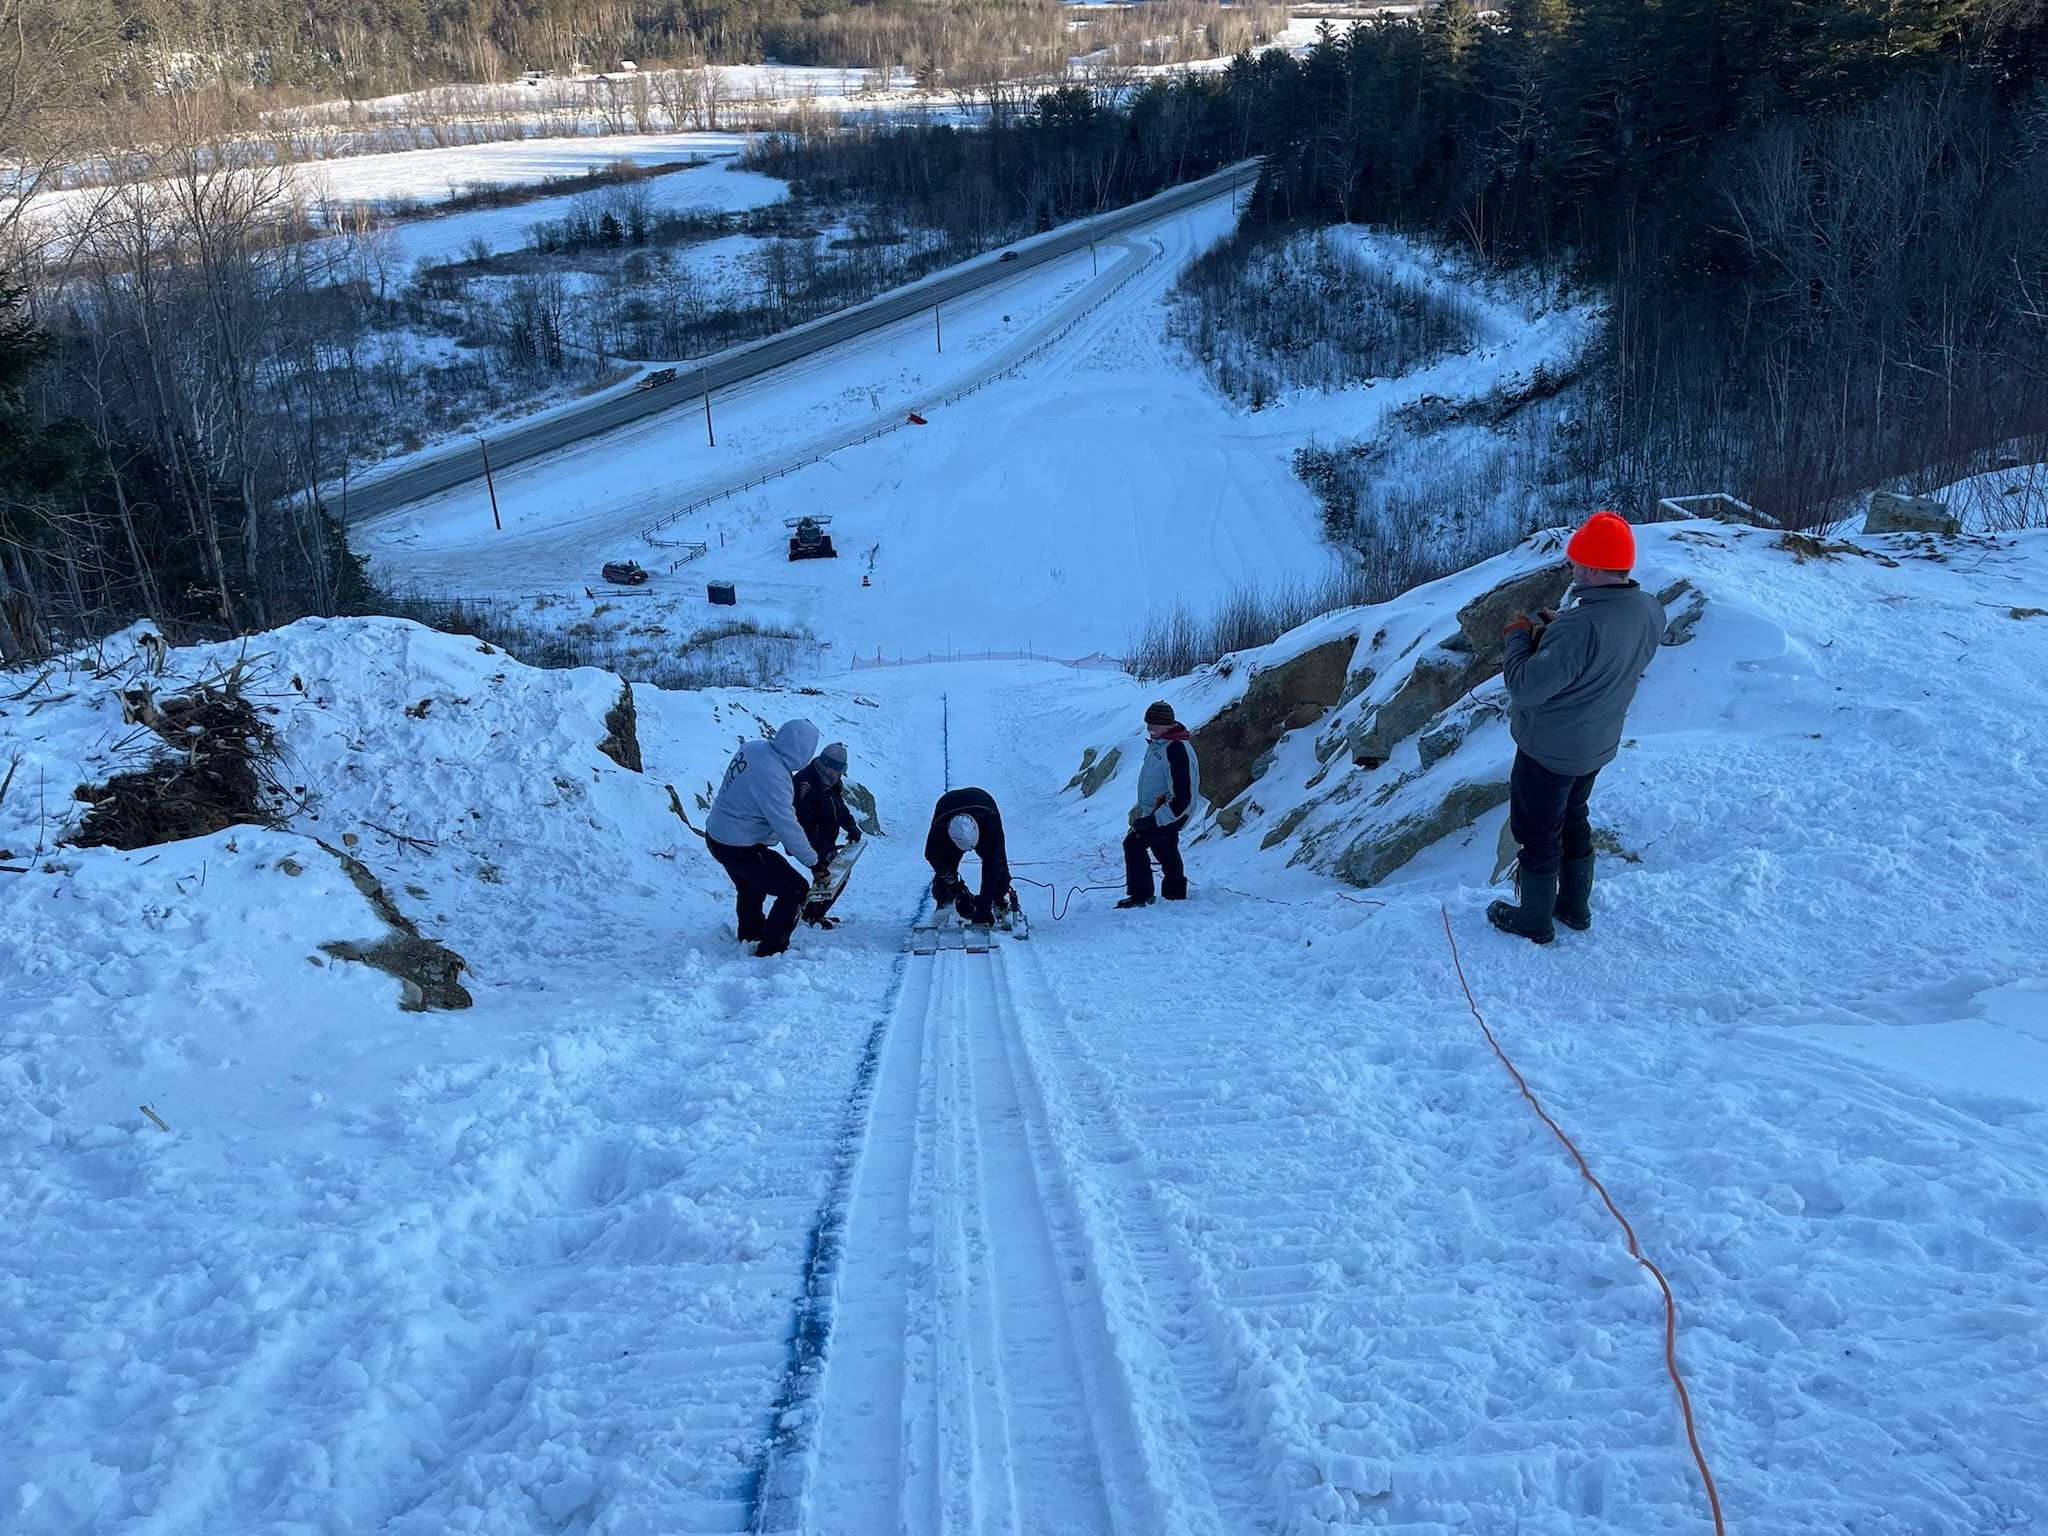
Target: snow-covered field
(1055, 512)
(714, 188)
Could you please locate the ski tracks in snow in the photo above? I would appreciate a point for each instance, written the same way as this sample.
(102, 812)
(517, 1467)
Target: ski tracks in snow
(1015, 1347)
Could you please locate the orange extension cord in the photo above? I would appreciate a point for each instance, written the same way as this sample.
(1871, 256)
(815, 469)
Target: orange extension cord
(1670, 1305)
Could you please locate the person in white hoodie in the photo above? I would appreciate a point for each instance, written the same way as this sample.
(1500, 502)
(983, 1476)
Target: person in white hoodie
(756, 806)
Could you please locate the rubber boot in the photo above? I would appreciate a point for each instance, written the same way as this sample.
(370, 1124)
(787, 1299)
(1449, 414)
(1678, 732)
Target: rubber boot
(1532, 920)
(1133, 901)
(1575, 894)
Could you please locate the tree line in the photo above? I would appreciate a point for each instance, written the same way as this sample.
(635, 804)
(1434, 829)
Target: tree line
(1818, 220)
(356, 48)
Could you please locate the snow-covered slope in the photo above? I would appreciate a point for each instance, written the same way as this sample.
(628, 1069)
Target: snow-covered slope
(1272, 1242)
(382, 1266)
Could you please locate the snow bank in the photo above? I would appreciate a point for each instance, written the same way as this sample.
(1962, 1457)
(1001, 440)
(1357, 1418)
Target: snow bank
(368, 1271)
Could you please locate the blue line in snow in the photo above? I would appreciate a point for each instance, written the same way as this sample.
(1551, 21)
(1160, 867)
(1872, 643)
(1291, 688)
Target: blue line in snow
(776, 1485)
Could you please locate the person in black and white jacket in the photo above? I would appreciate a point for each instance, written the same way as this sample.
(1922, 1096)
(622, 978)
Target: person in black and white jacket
(1168, 783)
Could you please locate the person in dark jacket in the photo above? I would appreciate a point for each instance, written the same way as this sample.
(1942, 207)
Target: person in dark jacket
(1569, 686)
(821, 808)
(756, 806)
(966, 821)
(1167, 785)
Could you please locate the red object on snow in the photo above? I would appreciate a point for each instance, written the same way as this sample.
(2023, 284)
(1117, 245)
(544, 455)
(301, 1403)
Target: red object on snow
(917, 420)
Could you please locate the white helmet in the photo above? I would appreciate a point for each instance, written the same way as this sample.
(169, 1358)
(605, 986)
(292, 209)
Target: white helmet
(965, 832)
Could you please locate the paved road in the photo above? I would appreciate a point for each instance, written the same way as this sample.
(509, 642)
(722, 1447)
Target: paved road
(462, 463)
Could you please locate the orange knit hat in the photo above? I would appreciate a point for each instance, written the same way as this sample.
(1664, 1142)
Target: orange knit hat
(1605, 542)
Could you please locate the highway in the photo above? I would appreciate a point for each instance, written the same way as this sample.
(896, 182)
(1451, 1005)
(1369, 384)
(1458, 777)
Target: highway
(461, 462)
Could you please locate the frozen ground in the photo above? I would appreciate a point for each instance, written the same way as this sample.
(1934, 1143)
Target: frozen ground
(1209, 1218)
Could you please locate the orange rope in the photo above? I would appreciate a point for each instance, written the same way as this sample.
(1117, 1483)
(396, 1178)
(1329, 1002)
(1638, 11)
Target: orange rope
(1635, 1249)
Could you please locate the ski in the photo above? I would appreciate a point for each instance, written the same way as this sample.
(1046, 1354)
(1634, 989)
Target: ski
(826, 891)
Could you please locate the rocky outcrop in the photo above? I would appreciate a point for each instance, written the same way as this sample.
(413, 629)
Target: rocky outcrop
(1684, 606)
(1457, 665)
(1096, 771)
(1287, 697)
(427, 971)
(862, 799)
(622, 731)
(1373, 857)
(1893, 513)
(1480, 620)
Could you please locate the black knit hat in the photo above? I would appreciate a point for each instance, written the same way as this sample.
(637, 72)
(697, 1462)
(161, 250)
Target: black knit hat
(1159, 712)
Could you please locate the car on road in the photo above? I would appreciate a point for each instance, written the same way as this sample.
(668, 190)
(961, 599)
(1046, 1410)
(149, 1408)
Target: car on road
(658, 377)
(1007, 256)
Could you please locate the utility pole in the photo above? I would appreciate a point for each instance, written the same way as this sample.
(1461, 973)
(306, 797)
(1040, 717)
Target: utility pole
(1093, 261)
(938, 333)
(710, 440)
(485, 450)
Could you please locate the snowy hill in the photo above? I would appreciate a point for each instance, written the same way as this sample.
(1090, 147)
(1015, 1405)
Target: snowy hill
(1210, 1218)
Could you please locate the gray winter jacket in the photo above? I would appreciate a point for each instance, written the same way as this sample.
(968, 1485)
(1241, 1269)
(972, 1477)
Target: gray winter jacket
(757, 802)
(1169, 774)
(1568, 695)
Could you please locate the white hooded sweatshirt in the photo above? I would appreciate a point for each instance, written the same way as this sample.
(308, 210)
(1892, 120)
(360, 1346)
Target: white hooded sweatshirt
(757, 802)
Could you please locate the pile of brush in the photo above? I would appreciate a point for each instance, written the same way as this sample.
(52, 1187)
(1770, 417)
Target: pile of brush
(213, 771)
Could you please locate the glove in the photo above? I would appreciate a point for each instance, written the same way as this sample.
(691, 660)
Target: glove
(942, 890)
(853, 834)
(822, 875)
(964, 905)
(1135, 817)
(1521, 622)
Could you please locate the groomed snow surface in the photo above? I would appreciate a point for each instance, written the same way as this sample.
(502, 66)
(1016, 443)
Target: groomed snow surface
(1215, 1217)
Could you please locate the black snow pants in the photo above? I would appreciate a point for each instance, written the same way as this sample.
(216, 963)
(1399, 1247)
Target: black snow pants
(1144, 842)
(759, 872)
(1547, 814)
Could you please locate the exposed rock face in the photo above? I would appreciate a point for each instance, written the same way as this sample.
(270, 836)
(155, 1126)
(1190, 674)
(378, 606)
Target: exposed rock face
(1891, 513)
(1437, 682)
(622, 731)
(1480, 620)
(1094, 774)
(1680, 624)
(426, 969)
(1458, 665)
(862, 799)
(1377, 855)
(1288, 697)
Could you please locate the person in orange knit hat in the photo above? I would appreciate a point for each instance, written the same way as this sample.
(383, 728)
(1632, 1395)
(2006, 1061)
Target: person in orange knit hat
(1569, 688)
